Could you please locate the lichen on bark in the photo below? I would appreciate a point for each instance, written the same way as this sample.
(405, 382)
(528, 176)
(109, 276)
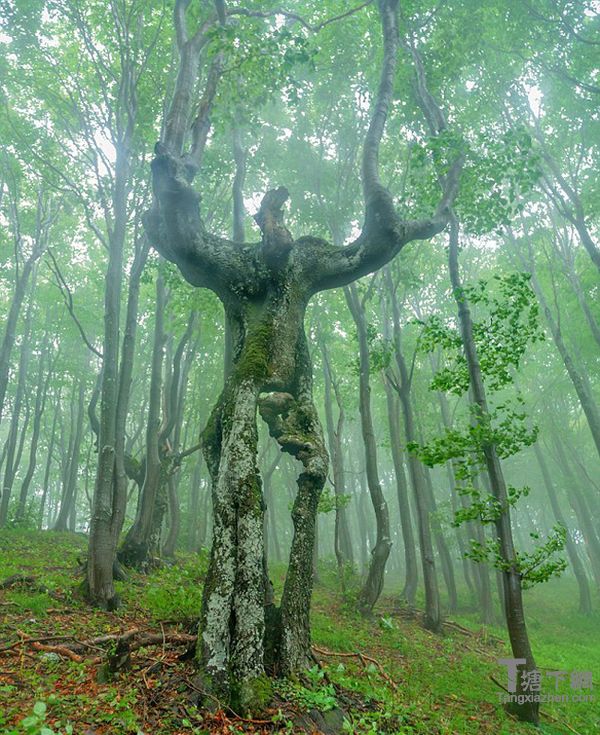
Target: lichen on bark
(265, 288)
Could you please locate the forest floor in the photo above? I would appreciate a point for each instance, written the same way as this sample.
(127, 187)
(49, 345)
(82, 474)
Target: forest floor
(388, 673)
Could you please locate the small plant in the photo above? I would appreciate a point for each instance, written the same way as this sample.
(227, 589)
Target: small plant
(35, 724)
(320, 696)
(280, 719)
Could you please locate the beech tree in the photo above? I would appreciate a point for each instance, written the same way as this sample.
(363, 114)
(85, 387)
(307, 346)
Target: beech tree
(265, 288)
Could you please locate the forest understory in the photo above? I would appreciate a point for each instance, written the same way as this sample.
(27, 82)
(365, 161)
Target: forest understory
(387, 674)
(299, 367)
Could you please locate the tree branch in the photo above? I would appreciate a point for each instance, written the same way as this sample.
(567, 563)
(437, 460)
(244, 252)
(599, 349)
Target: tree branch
(384, 232)
(68, 300)
(294, 16)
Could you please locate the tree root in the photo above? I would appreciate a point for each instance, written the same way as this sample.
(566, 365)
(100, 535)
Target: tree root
(363, 658)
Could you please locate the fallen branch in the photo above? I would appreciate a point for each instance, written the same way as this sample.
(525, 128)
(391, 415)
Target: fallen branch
(25, 639)
(473, 633)
(497, 683)
(59, 650)
(362, 657)
(126, 642)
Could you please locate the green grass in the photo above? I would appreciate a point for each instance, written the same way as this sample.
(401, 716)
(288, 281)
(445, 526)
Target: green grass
(443, 683)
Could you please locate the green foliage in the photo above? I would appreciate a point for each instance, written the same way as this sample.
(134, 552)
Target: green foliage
(535, 567)
(507, 427)
(35, 724)
(499, 172)
(175, 591)
(511, 323)
(330, 501)
(501, 339)
(318, 695)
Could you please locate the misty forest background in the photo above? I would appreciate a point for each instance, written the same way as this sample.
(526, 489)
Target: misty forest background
(285, 94)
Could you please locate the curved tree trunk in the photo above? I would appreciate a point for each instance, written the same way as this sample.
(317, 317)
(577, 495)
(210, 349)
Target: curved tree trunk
(373, 585)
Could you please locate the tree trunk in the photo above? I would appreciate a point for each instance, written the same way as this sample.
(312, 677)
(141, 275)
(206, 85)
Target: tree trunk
(579, 379)
(193, 514)
(442, 546)
(585, 599)
(142, 542)
(579, 505)
(106, 521)
(433, 618)
(342, 543)
(373, 585)
(513, 602)
(270, 530)
(411, 580)
(174, 519)
(40, 402)
(12, 453)
(28, 272)
(72, 469)
(50, 450)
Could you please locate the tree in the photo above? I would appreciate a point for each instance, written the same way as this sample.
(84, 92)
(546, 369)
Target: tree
(265, 289)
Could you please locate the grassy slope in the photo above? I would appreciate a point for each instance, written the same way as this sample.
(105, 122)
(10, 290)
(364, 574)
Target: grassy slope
(442, 683)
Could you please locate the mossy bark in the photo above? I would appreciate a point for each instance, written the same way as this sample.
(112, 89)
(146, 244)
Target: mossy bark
(265, 288)
(243, 634)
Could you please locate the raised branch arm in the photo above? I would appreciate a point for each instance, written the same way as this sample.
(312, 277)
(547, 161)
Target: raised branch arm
(175, 228)
(277, 240)
(384, 232)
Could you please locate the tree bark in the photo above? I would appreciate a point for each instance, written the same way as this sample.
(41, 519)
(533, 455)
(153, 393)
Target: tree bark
(513, 602)
(72, 469)
(373, 585)
(411, 579)
(585, 599)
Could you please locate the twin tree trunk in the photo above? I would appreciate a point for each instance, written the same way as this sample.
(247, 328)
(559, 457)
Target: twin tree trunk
(265, 289)
(236, 646)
